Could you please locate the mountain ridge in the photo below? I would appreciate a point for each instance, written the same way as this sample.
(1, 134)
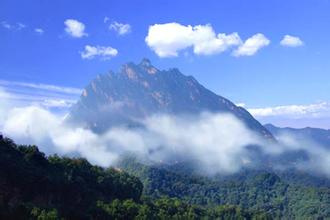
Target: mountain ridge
(140, 90)
(317, 135)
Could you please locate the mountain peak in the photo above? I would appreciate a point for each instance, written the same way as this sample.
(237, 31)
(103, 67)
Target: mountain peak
(146, 65)
(145, 62)
(141, 90)
(137, 71)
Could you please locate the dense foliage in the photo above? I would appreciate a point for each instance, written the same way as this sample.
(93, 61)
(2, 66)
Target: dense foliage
(33, 186)
(32, 183)
(254, 191)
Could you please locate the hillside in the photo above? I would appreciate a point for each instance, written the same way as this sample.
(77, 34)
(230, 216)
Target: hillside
(253, 190)
(33, 186)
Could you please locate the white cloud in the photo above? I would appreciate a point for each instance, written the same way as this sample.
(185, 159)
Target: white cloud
(170, 38)
(296, 116)
(91, 52)
(241, 104)
(208, 138)
(48, 87)
(6, 25)
(291, 41)
(252, 45)
(58, 103)
(53, 97)
(207, 43)
(30, 99)
(16, 27)
(39, 30)
(319, 155)
(106, 19)
(20, 26)
(167, 39)
(311, 110)
(120, 28)
(49, 102)
(3, 105)
(75, 28)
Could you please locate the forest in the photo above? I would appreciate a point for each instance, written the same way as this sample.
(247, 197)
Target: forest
(34, 186)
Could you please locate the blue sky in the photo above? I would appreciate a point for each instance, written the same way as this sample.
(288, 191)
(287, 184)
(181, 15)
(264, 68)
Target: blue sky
(285, 84)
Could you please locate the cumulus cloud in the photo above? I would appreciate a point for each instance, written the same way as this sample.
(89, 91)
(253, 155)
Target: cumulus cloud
(252, 45)
(170, 38)
(120, 28)
(91, 52)
(210, 43)
(75, 28)
(291, 41)
(167, 40)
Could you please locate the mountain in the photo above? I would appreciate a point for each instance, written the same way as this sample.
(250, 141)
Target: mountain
(140, 90)
(317, 135)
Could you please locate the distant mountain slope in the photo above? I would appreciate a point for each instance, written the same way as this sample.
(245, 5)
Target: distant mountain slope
(317, 135)
(140, 90)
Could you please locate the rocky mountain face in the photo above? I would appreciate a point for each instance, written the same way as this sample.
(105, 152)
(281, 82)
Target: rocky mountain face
(141, 90)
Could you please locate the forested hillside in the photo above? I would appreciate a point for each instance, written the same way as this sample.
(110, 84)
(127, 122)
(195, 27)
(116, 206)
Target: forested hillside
(33, 186)
(253, 190)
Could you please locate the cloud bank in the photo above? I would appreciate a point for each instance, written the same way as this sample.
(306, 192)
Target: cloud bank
(319, 156)
(297, 116)
(209, 138)
(314, 110)
(167, 40)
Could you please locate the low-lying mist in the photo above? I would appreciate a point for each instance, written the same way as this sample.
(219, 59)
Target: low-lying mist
(220, 142)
